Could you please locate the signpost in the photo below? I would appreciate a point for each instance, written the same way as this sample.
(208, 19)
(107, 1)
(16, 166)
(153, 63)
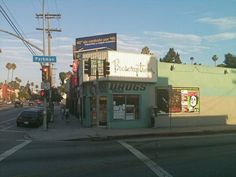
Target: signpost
(44, 59)
(46, 81)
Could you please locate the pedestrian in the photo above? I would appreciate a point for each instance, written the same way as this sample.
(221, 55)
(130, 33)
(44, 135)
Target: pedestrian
(67, 114)
(62, 111)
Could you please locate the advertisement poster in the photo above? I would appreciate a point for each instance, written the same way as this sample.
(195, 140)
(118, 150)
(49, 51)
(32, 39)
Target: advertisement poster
(98, 42)
(190, 101)
(178, 100)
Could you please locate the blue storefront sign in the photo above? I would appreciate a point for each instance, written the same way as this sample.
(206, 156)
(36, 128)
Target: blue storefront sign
(99, 42)
(45, 59)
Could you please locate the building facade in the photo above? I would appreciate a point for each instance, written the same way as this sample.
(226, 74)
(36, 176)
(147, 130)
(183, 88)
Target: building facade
(177, 94)
(141, 92)
(196, 95)
(124, 98)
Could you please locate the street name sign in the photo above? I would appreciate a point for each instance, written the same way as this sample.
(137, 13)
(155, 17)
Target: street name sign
(44, 59)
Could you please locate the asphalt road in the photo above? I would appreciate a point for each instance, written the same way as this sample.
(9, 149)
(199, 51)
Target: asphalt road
(195, 156)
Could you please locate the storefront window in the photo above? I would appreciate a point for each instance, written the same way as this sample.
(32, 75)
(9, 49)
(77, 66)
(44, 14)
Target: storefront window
(125, 107)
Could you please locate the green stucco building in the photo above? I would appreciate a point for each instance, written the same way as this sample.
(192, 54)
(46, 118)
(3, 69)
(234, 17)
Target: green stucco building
(141, 92)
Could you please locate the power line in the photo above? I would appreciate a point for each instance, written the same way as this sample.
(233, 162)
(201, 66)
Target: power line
(3, 12)
(11, 23)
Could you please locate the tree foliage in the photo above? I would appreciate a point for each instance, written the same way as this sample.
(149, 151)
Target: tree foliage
(214, 58)
(62, 76)
(171, 57)
(191, 59)
(145, 50)
(230, 60)
(23, 93)
(56, 96)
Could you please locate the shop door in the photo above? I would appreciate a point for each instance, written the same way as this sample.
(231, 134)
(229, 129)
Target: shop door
(102, 111)
(93, 110)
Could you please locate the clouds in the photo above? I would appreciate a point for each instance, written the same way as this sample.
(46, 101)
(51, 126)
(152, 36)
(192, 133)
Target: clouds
(130, 43)
(159, 42)
(186, 45)
(220, 37)
(224, 23)
(175, 37)
(14, 51)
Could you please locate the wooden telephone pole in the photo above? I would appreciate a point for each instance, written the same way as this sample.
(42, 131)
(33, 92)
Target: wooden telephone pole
(48, 30)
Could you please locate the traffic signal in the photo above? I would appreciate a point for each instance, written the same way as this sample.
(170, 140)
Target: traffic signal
(42, 93)
(106, 68)
(45, 73)
(87, 67)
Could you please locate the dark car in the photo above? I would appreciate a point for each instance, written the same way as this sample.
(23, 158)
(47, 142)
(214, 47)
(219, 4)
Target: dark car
(18, 104)
(30, 117)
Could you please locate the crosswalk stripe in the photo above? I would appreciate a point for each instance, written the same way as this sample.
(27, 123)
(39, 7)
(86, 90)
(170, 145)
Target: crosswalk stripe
(14, 149)
(151, 164)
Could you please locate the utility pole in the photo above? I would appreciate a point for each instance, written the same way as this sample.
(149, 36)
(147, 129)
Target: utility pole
(97, 94)
(48, 17)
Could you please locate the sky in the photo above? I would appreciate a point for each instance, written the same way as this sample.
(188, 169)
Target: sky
(194, 28)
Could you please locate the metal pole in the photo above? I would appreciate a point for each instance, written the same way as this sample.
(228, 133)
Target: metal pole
(4, 31)
(50, 73)
(170, 105)
(97, 94)
(45, 99)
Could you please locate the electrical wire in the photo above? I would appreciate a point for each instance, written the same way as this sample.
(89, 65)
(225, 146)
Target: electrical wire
(11, 23)
(15, 29)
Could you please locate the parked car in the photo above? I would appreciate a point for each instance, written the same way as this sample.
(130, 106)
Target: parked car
(9, 102)
(18, 104)
(30, 117)
(31, 103)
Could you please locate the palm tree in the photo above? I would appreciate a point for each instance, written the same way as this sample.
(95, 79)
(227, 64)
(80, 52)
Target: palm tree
(215, 58)
(36, 87)
(8, 66)
(32, 85)
(191, 59)
(13, 67)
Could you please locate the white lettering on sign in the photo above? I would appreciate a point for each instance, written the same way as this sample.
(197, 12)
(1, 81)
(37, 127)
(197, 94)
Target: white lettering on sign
(138, 68)
(44, 59)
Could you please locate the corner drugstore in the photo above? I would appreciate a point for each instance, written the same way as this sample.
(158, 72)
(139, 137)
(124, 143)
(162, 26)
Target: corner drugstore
(141, 92)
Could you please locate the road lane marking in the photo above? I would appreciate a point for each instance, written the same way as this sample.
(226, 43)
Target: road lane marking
(151, 164)
(13, 131)
(2, 122)
(5, 128)
(14, 149)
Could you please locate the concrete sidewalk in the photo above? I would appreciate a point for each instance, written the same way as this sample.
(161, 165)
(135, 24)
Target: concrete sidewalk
(72, 130)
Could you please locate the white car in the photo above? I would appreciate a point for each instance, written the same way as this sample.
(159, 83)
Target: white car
(9, 102)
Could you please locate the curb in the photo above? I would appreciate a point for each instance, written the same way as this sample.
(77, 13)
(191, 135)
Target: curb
(146, 135)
